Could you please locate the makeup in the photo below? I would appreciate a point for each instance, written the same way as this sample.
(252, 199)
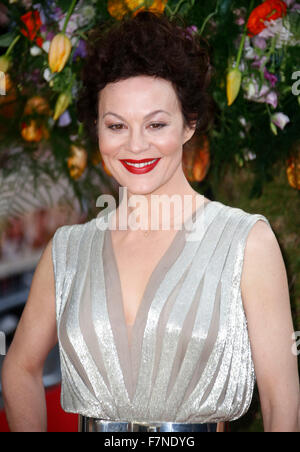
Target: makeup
(140, 166)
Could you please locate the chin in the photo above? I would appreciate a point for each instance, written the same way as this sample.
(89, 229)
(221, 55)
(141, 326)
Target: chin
(141, 190)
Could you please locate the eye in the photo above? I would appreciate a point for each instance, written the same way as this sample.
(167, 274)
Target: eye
(115, 126)
(155, 126)
(159, 125)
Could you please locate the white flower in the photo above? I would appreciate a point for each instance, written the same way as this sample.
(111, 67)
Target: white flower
(282, 32)
(74, 39)
(35, 50)
(250, 89)
(249, 51)
(243, 121)
(27, 3)
(46, 46)
(51, 122)
(280, 120)
(87, 14)
(48, 75)
(249, 155)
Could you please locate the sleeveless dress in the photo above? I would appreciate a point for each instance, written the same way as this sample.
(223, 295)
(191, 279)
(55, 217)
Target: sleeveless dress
(187, 358)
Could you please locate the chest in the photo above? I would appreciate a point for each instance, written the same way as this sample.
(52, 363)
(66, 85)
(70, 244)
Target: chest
(136, 261)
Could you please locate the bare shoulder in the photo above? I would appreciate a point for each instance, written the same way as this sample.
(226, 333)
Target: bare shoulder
(260, 233)
(263, 267)
(261, 246)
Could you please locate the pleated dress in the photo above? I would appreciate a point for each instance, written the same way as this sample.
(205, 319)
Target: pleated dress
(187, 357)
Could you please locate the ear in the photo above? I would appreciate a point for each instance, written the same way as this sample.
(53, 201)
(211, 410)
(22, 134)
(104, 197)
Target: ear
(189, 131)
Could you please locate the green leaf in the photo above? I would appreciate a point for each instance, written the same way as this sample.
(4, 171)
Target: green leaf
(7, 39)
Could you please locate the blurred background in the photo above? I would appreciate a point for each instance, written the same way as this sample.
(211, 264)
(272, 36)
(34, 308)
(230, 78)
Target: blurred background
(51, 171)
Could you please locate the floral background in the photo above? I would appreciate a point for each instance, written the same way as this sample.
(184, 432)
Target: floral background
(250, 157)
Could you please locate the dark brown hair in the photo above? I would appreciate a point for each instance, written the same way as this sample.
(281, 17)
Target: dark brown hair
(148, 44)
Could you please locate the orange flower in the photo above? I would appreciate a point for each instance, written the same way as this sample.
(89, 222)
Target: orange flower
(293, 171)
(31, 131)
(139, 5)
(37, 104)
(117, 8)
(33, 23)
(77, 161)
(269, 10)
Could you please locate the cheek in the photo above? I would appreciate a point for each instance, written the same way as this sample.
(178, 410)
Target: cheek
(169, 145)
(108, 146)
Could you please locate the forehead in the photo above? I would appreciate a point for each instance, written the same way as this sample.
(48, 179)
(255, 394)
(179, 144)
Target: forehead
(140, 92)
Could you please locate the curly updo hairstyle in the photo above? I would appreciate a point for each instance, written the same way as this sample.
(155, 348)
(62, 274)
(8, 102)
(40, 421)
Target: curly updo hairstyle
(147, 44)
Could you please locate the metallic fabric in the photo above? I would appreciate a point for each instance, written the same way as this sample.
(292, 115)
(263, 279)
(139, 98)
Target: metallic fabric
(92, 425)
(189, 358)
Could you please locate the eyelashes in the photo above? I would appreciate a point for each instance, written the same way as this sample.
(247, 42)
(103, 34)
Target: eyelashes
(115, 127)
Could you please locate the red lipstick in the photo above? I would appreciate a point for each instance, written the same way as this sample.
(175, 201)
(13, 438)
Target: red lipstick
(142, 170)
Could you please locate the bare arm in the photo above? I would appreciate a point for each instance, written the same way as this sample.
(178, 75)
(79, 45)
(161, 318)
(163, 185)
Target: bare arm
(267, 306)
(22, 371)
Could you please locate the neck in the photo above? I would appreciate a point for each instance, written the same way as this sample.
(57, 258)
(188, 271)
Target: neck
(172, 202)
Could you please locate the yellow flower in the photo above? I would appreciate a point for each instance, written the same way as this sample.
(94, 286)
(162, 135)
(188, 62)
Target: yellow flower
(59, 52)
(4, 63)
(139, 5)
(62, 103)
(234, 79)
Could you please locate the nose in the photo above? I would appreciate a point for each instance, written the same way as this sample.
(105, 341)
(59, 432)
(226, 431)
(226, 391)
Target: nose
(137, 141)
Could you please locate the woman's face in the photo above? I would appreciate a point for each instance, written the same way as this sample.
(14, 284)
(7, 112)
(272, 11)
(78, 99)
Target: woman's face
(140, 118)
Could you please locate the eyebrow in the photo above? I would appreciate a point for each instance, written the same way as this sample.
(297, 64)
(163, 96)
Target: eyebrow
(147, 116)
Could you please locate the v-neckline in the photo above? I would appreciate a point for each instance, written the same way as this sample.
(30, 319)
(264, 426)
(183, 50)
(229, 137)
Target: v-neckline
(129, 353)
(163, 260)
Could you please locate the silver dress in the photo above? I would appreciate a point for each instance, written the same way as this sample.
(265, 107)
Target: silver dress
(189, 359)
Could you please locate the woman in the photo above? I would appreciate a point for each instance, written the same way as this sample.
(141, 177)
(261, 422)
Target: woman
(157, 332)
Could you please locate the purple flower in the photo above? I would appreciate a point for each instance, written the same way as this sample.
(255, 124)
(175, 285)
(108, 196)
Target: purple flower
(259, 42)
(272, 99)
(64, 119)
(50, 36)
(262, 95)
(289, 3)
(270, 77)
(80, 50)
(259, 61)
(189, 31)
(296, 7)
(239, 21)
(4, 20)
(192, 29)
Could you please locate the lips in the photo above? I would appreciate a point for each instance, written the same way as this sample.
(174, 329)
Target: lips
(143, 170)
